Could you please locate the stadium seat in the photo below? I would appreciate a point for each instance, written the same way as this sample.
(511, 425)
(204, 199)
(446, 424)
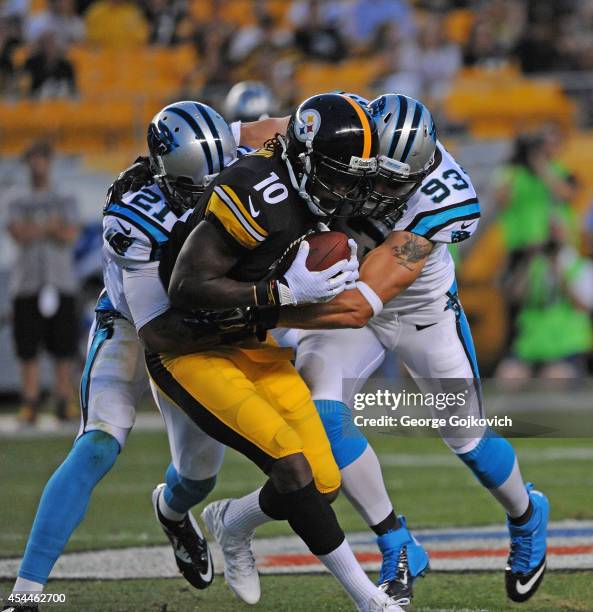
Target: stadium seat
(37, 6)
(458, 24)
(351, 75)
(501, 102)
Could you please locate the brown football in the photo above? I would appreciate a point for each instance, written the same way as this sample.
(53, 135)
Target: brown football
(326, 249)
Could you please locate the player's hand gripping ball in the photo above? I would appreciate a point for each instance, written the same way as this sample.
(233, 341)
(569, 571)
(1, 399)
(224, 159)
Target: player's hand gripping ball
(323, 266)
(326, 249)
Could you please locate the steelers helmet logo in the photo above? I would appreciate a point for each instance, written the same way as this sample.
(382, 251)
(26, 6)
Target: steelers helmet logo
(307, 125)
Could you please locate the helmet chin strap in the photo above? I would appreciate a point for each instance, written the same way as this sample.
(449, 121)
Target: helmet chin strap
(300, 185)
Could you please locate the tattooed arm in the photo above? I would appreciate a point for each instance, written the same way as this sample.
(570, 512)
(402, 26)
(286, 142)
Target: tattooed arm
(388, 270)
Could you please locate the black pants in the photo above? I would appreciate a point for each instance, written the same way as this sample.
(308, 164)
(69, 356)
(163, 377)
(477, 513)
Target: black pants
(31, 330)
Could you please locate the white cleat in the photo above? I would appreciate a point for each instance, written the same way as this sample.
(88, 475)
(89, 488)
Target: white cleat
(381, 602)
(240, 571)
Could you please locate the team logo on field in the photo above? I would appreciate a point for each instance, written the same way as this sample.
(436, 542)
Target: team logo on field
(307, 125)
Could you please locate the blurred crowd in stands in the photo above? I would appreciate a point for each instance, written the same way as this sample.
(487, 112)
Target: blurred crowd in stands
(548, 280)
(421, 44)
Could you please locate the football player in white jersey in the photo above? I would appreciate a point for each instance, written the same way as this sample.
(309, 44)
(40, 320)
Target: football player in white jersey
(406, 300)
(189, 143)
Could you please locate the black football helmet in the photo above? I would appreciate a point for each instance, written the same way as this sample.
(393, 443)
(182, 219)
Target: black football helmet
(331, 152)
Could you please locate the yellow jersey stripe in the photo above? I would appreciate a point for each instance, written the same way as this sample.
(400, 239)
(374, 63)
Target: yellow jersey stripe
(231, 193)
(233, 225)
(239, 210)
(366, 127)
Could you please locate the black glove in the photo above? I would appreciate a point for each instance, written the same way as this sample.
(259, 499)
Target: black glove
(132, 178)
(232, 325)
(235, 324)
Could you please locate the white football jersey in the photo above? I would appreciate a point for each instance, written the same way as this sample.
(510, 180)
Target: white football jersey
(134, 233)
(445, 209)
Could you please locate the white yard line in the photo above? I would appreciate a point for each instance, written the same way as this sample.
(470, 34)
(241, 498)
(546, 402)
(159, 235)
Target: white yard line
(459, 549)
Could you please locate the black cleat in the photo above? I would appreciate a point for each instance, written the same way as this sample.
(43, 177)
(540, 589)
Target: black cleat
(400, 588)
(520, 587)
(190, 547)
(526, 564)
(404, 560)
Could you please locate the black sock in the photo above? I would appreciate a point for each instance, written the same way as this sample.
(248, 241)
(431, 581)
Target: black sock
(391, 523)
(521, 520)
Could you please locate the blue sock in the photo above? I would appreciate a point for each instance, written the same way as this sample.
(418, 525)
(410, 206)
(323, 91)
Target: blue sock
(64, 502)
(182, 494)
(347, 441)
(491, 461)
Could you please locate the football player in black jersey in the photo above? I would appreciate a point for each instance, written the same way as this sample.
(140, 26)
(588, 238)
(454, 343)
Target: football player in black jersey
(247, 394)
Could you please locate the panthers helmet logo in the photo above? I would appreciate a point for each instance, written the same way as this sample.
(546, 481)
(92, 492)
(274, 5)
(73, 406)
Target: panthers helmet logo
(160, 139)
(376, 108)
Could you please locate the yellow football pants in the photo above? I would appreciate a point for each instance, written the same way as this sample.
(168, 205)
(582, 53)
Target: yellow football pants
(252, 401)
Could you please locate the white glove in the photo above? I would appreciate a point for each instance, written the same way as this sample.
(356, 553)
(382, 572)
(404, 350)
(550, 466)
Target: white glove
(301, 286)
(352, 265)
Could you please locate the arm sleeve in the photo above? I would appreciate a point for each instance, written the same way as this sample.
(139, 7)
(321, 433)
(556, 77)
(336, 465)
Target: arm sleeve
(449, 225)
(145, 294)
(240, 214)
(236, 131)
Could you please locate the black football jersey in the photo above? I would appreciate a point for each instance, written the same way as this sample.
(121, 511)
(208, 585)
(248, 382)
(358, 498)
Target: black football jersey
(256, 208)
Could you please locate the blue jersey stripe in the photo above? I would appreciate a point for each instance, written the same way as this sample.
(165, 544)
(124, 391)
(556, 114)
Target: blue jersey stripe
(152, 231)
(102, 333)
(424, 225)
(150, 219)
(104, 303)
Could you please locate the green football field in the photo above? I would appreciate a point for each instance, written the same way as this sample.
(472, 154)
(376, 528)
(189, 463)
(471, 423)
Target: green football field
(427, 484)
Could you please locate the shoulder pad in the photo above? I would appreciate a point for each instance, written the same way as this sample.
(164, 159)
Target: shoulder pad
(148, 208)
(240, 214)
(445, 208)
(136, 228)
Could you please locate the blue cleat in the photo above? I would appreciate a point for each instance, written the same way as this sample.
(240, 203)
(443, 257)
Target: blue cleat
(526, 564)
(404, 559)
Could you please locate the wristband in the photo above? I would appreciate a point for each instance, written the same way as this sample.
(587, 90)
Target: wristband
(267, 316)
(371, 297)
(265, 293)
